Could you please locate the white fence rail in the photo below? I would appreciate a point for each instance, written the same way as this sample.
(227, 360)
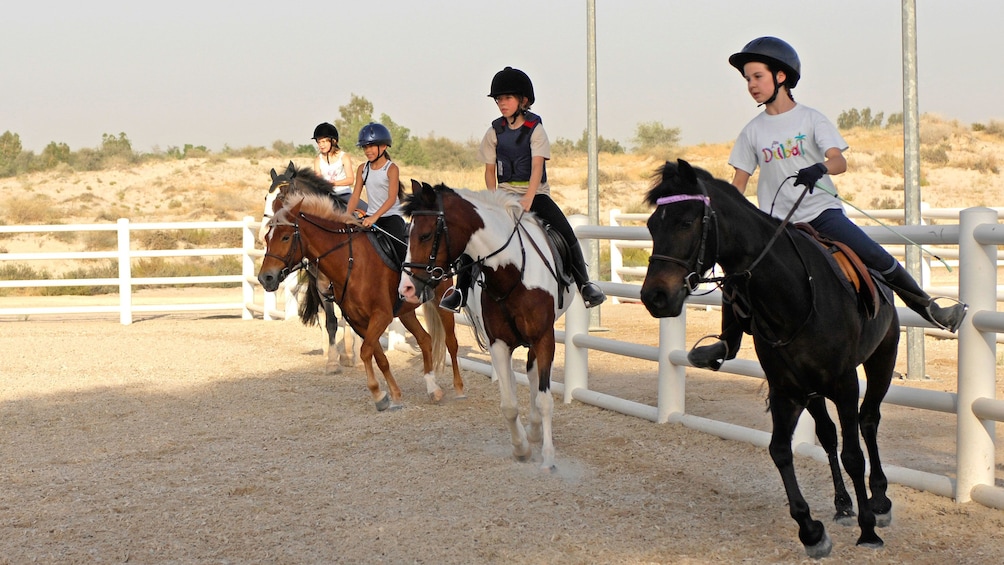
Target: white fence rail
(978, 236)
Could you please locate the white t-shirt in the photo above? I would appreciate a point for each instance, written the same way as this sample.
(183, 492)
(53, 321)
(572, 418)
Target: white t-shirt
(335, 170)
(781, 145)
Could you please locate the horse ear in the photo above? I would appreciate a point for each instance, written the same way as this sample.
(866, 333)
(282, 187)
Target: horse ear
(687, 172)
(415, 186)
(273, 174)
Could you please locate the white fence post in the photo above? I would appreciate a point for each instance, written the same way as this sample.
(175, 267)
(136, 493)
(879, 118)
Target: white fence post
(977, 350)
(616, 256)
(125, 273)
(247, 266)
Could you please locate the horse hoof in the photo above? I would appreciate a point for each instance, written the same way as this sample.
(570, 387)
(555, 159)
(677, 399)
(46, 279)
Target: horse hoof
(821, 549)
(332, 370)
(460, 397)
(871, 542)
(883, 520)
(435, 396)
(847, 518)
(549, 469)
(383, 403)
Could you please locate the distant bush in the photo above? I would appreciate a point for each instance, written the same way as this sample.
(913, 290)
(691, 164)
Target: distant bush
(37, 209)
(443, 153)
(655, 139)
(849, 119)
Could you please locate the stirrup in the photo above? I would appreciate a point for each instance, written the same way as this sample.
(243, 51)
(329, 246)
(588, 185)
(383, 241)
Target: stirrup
(714, 363)
(951, 327)
(592, 295)
(453, 300)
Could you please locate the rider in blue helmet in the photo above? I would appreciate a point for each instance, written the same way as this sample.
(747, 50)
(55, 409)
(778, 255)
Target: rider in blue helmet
(381, 177)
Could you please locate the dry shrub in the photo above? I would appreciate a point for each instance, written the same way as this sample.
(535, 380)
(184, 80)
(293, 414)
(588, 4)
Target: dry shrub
(889, 164)
(37, 209)
(100, 240)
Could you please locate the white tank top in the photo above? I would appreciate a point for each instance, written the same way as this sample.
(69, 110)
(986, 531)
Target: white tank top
(333, 171)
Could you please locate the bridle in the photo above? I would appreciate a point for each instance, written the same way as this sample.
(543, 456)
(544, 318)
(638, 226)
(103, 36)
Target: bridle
(695, 276)
(436, 274)
(297, 245)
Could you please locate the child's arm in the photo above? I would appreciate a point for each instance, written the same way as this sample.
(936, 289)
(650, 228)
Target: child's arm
(350, 177)
(357, 190)
(394, 179)
(536, 172)
(491, 176)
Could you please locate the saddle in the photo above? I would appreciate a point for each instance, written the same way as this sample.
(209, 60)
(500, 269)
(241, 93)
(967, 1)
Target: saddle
(857, 278)
(560, 251)
(390, 251)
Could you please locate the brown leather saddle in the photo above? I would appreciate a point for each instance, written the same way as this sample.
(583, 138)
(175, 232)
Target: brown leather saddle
(849, 266)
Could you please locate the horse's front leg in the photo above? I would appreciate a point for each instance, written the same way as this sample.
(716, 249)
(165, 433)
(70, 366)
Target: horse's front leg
(812, 533)
(854, 460)
(538, 372)
(501, 355)
(369, 350)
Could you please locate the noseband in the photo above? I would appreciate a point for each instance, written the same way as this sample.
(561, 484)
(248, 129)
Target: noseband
(694, 278)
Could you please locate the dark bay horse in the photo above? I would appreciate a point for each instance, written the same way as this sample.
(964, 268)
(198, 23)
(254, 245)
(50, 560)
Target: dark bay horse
(809, 331)
(315, 304)
(517, 297)
(365, 288)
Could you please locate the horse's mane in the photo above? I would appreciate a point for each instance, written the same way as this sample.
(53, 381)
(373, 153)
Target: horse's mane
(318, 205)
(494, 199)
(310, 182)
(668, 180)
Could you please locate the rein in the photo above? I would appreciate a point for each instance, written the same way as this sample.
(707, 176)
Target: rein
(693, 278)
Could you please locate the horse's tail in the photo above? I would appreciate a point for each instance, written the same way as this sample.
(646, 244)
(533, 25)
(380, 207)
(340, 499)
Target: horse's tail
(312, 300)
(434, 324)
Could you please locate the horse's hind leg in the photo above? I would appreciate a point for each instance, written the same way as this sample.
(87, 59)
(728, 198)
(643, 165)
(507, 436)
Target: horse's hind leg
(878, 370)
(812, 533)
(827, 434)
(424, 340)
(449, 328)
(332, 365)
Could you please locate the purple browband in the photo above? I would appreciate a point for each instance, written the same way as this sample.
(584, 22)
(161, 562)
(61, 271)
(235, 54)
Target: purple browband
(681, 198)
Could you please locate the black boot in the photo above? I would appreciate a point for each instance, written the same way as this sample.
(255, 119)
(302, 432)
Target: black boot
(591, 294)
(456, 296)
(947, 318)
(714, 355)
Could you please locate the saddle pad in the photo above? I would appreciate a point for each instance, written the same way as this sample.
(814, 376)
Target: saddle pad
(849, 266)
(386, 249)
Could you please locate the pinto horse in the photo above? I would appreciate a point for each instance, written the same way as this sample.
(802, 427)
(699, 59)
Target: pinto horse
(809, 331)
(517, 297)
(313, 289)
(308, 228)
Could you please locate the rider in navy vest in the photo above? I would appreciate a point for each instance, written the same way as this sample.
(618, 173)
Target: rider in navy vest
(515, 149)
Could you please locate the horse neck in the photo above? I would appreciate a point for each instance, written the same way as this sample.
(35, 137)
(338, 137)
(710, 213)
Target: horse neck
(330, 250)
(744, 232)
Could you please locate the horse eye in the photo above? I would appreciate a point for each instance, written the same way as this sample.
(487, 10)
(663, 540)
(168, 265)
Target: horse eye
(425, 237)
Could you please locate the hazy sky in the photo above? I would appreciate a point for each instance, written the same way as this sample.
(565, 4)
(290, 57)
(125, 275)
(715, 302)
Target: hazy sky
(218, 73)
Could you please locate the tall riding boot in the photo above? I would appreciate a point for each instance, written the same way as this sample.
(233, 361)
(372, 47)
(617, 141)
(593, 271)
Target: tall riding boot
(591, 294)
(948, 318)
(714, 355)
(455, 297)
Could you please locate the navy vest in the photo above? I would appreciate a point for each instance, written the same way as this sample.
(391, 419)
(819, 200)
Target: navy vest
(513, 161)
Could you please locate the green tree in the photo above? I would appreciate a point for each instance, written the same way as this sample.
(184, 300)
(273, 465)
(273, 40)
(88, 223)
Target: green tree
(353, 116)
(116, 148)
(406, 149)
(443, 153)
(602, 145)
(655, 136)
(54, 154)
(10, 149)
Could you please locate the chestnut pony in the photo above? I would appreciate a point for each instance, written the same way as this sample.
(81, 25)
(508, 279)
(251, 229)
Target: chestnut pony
(306, 229)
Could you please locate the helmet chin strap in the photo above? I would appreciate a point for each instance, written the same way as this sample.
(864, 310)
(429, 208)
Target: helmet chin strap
(777, 88)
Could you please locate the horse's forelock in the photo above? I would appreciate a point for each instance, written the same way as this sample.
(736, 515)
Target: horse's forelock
(673, 178)
(316, 205)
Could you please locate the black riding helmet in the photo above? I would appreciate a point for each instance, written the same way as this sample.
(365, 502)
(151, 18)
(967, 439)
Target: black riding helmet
(776, 54)
(325, 130)
(512, 81)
